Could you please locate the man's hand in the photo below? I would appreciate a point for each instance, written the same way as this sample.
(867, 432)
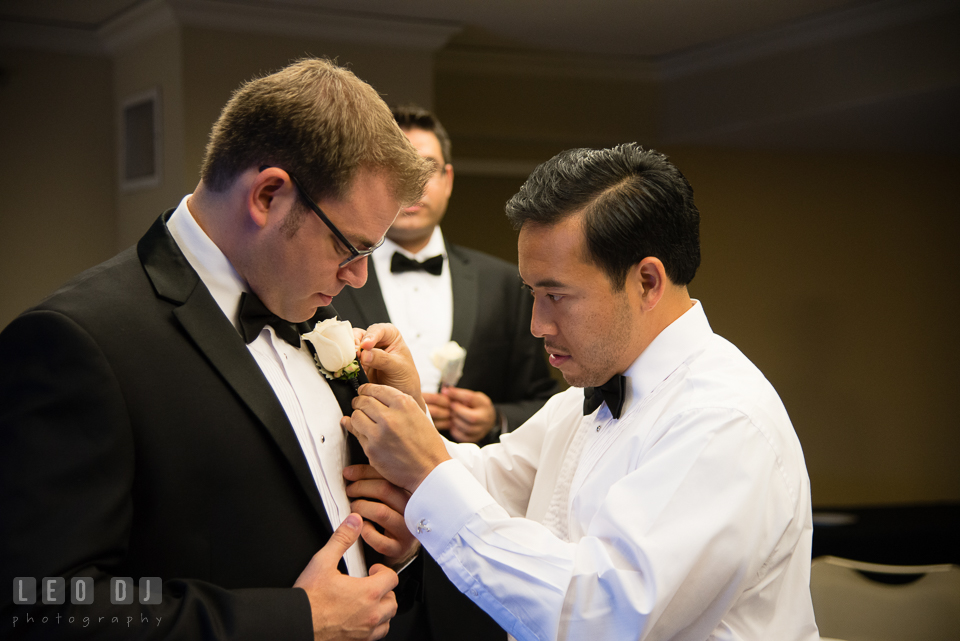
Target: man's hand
(387, 361)
(472, 414)
(396, 434)
(346, 607)
(395, 543)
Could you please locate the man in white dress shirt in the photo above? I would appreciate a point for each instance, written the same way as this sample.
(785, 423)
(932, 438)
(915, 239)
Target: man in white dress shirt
(669, 498)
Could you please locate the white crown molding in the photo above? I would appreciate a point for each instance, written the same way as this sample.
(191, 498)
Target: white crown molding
(300, 18)
(800, 35)
(286, 19)
(136, 25)
(267, 16)
(803, 34)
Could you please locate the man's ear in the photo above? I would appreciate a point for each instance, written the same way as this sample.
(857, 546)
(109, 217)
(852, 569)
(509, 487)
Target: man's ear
(448, 174)
(650, 279)
(268, 189)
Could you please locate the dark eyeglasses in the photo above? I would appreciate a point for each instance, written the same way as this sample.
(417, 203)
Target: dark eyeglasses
(355, 254)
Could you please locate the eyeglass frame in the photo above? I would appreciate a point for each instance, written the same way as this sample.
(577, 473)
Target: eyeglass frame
(355, 254)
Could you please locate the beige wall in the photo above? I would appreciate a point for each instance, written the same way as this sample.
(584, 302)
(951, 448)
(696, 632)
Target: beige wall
(820, 78)
(834, 274)
(153, 63)
(57, 172)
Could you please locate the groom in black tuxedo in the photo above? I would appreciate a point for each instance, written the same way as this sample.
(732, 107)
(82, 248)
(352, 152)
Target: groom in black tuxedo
(159, 419)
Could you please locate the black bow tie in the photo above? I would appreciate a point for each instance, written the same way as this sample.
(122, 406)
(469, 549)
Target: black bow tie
(254, 316)
(400, 263)
(613, 392)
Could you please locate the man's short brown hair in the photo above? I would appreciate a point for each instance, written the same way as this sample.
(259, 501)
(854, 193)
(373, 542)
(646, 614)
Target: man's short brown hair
(317, 121)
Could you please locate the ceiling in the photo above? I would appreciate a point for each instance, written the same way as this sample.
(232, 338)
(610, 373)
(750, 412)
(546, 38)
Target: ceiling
(648, 28)
(917, 111)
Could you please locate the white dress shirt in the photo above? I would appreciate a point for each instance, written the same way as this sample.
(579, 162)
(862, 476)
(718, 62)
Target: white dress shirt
(303, 392)
(688, 518)
(420, 304)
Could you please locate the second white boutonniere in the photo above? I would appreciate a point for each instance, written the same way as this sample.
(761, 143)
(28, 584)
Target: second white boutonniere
(449, 359)
(334, 349)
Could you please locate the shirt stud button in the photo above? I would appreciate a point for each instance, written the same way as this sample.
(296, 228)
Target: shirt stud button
(323, 439)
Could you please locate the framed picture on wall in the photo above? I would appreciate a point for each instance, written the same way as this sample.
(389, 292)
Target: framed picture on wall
(140, 136)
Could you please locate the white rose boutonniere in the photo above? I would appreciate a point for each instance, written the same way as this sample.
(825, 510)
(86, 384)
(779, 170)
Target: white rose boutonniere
(449, 360)
(335, 348)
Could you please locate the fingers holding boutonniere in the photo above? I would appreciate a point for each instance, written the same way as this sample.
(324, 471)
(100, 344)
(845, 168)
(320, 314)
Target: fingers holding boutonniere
(387, 360)
(396, 434)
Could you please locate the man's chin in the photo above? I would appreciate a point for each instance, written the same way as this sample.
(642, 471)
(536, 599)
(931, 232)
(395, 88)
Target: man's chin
(304, 313)
(571, 376)
(410, 226)
(579, 378)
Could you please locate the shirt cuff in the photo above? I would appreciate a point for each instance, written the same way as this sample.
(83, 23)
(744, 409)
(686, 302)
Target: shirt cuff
(407, 563)
(442, 505)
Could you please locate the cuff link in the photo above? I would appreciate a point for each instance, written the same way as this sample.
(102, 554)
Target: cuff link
(422, 526)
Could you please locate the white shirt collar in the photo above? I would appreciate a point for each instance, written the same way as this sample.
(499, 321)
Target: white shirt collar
(216, 272)
(433, 247)
(670, 349)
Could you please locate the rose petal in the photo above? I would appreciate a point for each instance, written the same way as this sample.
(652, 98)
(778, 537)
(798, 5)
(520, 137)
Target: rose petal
(334, 343)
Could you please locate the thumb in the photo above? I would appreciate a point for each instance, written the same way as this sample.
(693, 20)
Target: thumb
(379, 335)
(341, 540)
(376, 358)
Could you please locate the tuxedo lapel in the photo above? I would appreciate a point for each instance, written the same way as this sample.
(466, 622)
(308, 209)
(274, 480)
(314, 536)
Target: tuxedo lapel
(463, 280)
(202, 319)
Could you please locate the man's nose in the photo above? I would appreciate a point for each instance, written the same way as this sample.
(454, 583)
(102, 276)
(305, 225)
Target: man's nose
(540, 322)
(354, 274)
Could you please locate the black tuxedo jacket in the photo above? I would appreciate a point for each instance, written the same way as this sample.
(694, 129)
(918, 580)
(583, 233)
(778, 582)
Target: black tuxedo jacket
(139, 438)
(491, 319)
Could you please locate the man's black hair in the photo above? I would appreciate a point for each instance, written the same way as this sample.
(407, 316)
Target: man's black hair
(415, 117)
(634, 203)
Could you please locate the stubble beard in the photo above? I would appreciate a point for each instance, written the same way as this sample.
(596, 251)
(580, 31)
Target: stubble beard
(605, 352)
